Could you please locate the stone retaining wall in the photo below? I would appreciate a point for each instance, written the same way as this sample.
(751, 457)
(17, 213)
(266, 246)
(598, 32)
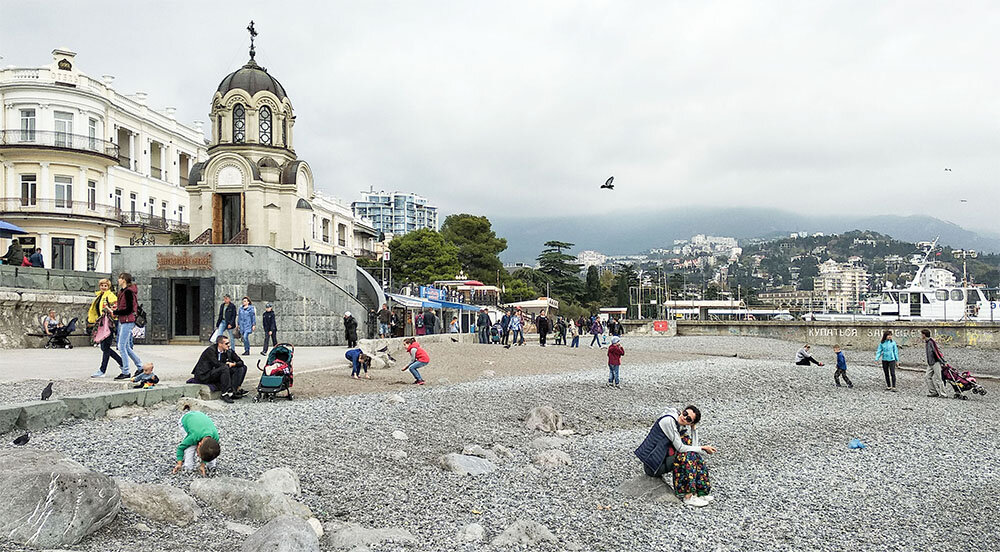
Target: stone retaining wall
(852, 334)
(396, 343)
(49, 279)
(22, 309)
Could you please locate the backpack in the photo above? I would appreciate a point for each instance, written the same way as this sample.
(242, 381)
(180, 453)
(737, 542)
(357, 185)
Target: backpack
(420, 321)
(140, 317)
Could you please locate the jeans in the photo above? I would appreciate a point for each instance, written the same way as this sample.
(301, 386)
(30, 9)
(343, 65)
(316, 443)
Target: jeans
(273, 336)
(246, 342)
(429, 330)
(576, 341)
(504, 336)
(518, 337)
(108, 353)
(484, 334)
(413, 368)
(613, 373)
(597, 339)
(383, 330)
(889, 369)
(935, 385)
(837, 374)
(807, 361)
(223, 329)
(125, 346)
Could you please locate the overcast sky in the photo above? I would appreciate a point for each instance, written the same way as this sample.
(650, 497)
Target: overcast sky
(524, 108)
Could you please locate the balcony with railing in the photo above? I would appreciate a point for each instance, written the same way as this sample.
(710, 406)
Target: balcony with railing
(58, 140)
(152, 222)
(58, 207)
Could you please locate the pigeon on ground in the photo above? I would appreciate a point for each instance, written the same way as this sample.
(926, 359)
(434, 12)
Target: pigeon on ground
(22, 440)
(384, 349)
(608, 185)
(454, 340)
(47, 392)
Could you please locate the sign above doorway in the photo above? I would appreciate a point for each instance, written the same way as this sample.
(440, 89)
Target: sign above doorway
(184, 261)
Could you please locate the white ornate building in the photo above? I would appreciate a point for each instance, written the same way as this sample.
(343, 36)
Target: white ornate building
(86, 169)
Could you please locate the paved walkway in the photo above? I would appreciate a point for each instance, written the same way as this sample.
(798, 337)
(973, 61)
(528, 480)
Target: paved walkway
(172, 362)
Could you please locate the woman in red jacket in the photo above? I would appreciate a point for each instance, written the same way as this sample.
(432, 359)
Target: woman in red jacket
(419, 358)
(615, 354)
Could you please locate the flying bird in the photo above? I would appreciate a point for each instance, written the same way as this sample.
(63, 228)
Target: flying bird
(947, 170)
(608, 184)
(964, 200)
(47, 392)
(21, 441)
(454, 340)
(390, 357)
(383, 349)
(248, 252)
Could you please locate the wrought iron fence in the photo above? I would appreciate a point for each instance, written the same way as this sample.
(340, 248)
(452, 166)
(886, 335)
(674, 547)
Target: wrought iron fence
(137, 218)
(55, 139)
(57, 206)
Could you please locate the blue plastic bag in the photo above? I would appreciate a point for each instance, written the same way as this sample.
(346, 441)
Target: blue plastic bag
(856, 444)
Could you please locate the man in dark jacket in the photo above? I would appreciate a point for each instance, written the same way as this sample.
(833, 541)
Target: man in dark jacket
(36, 259)
(615, 327)
(505, 328)
(350, 330)
(483, 324)
(270, 327)
(227, 316)
(14, 254)
(384, 318)
(543, 327)
(221, 366)
(429, 320)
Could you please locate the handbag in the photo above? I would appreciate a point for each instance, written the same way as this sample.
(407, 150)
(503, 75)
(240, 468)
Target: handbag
(102, 329)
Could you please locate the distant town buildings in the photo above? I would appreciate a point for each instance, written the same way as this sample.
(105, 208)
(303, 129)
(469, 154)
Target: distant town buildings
(396, 213)
(590, 258)
(841, 285)
(85, 168)
(700, 244)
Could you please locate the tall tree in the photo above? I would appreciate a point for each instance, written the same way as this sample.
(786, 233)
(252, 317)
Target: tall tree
(626, 278)
(593, 286)
(423, 256)
(561, 270)
(478, 245)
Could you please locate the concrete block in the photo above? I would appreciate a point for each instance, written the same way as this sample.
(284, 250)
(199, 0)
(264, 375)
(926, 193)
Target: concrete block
(171, 394)
(8, 417)
(123, 398)
(149, 396)
(88, 407)
(205, 393)
(37, 415)
(191, 390)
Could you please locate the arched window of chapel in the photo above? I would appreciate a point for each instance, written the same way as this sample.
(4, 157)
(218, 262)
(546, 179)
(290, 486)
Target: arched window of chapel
(239, 124)
(265, 125)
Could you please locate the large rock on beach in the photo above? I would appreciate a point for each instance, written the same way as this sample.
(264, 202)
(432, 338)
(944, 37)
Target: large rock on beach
(379, 363)
(524, 533)
(50, 500)
(159, 502)
(476, 450)
(344, 535)
(281, 480)
(283, 534)
(198, 405)
(246, 499)
(465, 465)
(544, 418)
(551, 459)
(472, 532)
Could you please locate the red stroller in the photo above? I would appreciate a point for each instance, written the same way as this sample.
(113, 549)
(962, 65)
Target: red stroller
(961, 382)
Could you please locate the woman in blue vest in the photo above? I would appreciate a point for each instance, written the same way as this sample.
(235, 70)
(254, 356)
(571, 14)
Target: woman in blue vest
(671, 449)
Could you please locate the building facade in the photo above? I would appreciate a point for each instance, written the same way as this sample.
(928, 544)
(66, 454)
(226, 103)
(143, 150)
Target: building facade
(841, 285)
(396, 213)
(86, 169)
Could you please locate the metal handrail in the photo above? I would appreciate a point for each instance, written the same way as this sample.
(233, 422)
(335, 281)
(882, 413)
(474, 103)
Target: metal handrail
(129, 218)
(55, 139)
(64, 207)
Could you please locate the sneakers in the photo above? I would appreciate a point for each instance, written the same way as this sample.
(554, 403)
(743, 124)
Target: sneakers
(617, 386)
(893, 389)
(98, 374)
(419, 382)
(850, 386)
(888, 388)
(708, 498)
(931, 395)
(123, 376)
(696, 501)
(838, 384)
(227, 398)
(607, 384)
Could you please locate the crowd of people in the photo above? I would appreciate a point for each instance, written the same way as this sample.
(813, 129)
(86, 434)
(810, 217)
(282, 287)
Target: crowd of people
(17, 256)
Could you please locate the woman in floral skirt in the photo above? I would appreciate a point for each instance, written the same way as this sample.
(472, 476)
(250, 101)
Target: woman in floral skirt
(672, 450)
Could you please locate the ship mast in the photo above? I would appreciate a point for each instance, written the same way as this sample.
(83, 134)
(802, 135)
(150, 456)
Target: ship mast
(923, 264)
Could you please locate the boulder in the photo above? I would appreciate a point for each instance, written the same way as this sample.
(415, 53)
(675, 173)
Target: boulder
(378, 363)
(200, 405)
(317, 527)
(524, 533)
(280, 480)
(397, 455)
(476, 450)
(551, 459)
(159, 502)
(472, 532)
(547, 442)
(245, 499)
(283, 534)
(399, 435)
(347, 536)
(502, 451)
(395, 399)
(8, 417)
(544, 418)
(650, 488)
(50, 500)
(465, 465)
(124, 412)
(384, 357)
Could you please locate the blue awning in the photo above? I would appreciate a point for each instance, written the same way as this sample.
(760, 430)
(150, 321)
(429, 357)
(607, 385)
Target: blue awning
(459, 306)
(413, 302)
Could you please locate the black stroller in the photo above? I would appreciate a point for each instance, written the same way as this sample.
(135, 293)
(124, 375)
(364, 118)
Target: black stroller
(59, 338)
(276, 375)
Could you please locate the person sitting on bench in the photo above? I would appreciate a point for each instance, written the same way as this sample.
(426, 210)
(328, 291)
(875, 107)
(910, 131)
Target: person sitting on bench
(219, 365)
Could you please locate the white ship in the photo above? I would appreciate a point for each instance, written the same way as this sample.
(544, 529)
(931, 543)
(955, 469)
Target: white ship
(932, 294)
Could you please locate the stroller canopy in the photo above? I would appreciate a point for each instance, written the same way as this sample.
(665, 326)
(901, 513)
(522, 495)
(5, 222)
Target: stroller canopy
(282, 352)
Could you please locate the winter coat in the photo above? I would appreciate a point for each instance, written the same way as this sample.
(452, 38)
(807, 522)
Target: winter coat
(542, 325)
(596, 328)
(128, 304)
(270, 325)
(101, 303)
(615, 354)
(505, 322)
(246, 318)
(351, 328)
(14, 254)
(211, 359)
(227, 313)
(384, 316)
(36, 260)
(483, 320)
(573, 330)
(664, 436)
(887, 351)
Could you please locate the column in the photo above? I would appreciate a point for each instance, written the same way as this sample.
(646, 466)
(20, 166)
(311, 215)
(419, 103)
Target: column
(80, 191)
(133, 158)
(104, 263)
(80, 252)
(45, 190)
(167, 160)
(45, 242)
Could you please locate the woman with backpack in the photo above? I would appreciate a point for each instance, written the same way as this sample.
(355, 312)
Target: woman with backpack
(126, 310)
(418, 323)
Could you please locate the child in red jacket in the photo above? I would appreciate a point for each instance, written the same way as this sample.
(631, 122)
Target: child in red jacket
(419, 358)
(615, 354)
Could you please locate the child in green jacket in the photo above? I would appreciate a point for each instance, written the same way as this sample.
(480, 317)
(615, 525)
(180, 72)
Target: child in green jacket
(201, 440)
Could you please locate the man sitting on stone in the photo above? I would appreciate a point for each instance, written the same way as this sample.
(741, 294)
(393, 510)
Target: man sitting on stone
(221, 366)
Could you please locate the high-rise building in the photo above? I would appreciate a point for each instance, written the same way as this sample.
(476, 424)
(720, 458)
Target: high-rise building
(396, 213)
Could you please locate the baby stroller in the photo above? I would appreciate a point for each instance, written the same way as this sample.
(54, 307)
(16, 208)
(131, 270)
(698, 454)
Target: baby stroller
(59, 338)
(495, 333)
(276, 375)
(961, 382)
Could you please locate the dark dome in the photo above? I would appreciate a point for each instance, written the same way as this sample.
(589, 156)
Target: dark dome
(252, 78)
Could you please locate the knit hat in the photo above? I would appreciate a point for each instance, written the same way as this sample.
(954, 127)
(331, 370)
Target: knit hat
(615, 339)
(347, 313)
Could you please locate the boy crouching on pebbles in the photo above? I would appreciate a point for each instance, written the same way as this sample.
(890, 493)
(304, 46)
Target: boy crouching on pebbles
(200, 444)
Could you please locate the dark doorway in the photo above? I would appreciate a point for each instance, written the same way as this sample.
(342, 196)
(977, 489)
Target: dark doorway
(186, 305)
(62, 253)
(231, 220)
